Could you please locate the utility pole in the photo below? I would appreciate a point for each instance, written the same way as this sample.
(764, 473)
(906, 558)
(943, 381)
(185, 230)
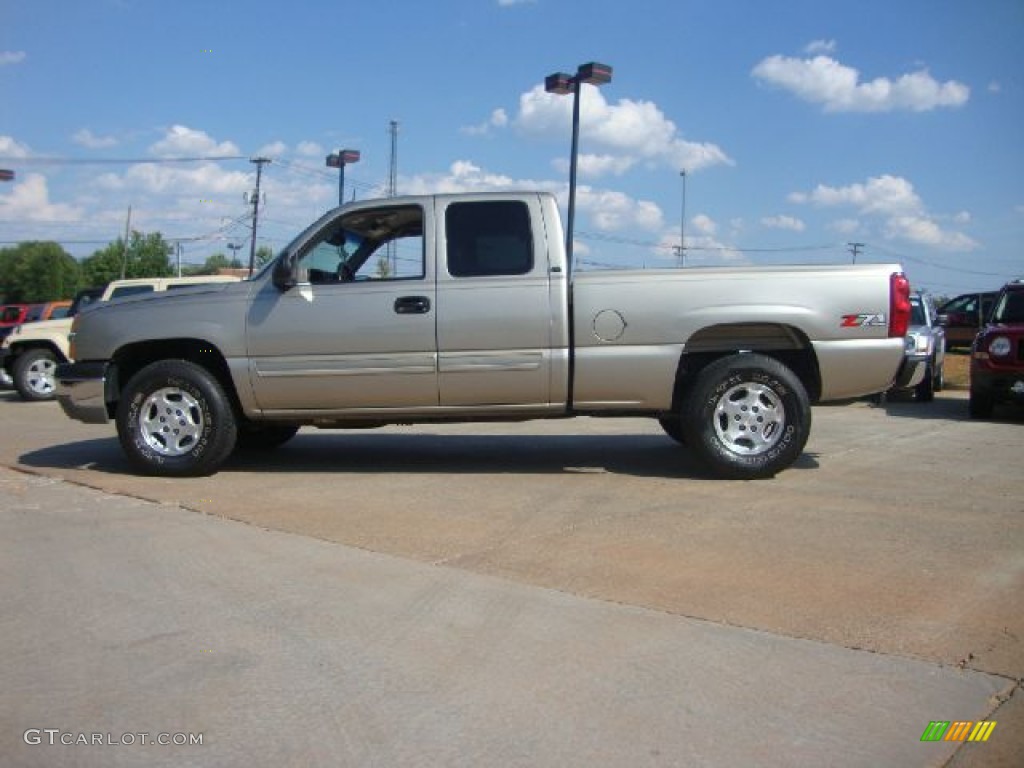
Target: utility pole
(855, 250)
(255, 209)
(127, 234)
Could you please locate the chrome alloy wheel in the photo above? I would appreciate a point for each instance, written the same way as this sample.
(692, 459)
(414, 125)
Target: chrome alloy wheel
(171, 421)
(39, 376)
(750, 419)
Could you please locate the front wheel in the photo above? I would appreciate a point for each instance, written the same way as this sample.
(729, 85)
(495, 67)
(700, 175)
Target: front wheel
(33, 375)
(747, 416)
(175, 420)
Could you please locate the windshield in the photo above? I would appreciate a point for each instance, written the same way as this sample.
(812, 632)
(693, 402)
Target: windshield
(1010, 308)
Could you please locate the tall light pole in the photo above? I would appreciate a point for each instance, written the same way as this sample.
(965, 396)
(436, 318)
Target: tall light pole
(234, 247)
(339, 160)
(561, 83)
(682, 224)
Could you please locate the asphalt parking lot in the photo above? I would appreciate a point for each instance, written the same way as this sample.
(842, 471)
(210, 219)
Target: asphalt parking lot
(586, 566)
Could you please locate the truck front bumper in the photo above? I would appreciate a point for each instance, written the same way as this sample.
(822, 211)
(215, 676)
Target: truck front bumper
(82, 390)
(911, 372)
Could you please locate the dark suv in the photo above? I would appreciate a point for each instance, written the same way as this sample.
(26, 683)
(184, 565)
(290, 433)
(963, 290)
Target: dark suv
(997, 356)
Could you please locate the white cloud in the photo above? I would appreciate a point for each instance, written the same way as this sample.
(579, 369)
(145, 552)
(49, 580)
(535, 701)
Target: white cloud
(635, 131)
(11, 57)
(181, 140)
(821, 46)
(498, 119)
(510, 3)
(88, 139)
(274, 149)
(29, 200)
(845, 226)
(783, 222)
(612, 211)
(309, 149)
(995, 87)
(704, 224)
(838, 88)
(893, 200)
(11, 148)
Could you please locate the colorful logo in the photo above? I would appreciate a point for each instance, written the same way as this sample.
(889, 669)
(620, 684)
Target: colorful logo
(958, 730)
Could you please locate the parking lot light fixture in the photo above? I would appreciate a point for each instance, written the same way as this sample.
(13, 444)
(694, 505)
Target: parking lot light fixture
(560, 83)
(339, 160)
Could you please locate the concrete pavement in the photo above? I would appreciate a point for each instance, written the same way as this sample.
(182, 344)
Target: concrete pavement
(121, 616)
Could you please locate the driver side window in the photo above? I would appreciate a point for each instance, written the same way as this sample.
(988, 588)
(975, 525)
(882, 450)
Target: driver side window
(367, 245)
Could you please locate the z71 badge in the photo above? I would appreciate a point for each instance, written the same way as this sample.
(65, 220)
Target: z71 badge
(863, 320)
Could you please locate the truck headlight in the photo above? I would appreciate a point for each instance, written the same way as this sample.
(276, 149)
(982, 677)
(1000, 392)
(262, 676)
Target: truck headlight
(916, 345)
(999, 346)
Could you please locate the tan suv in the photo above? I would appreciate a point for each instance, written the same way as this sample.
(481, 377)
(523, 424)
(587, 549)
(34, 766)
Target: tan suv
(31, 353)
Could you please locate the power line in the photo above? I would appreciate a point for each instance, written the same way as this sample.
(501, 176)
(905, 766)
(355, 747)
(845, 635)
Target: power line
(114, 160)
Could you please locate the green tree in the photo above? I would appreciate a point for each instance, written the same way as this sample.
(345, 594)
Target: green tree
(147, 256)
(213, 265)
(264, 254)
(37, 271)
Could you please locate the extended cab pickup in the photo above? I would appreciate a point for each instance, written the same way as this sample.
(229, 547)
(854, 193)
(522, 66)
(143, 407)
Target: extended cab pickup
(462, 308)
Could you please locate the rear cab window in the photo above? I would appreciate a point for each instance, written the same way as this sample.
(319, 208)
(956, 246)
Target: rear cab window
(489, 239)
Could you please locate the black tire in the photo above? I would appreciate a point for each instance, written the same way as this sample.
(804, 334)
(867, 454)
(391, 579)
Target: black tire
(925, 391)
(980, 406)
(673, 427)
(940, 377)
(174, 420)
(34, 375)
(747, 416)
(253, 437)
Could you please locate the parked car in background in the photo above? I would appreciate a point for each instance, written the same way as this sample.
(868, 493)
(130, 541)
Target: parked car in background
(48, 310)
(923, 368)
(32, 352)
(12, 315)
(997, 356)
(964, 316)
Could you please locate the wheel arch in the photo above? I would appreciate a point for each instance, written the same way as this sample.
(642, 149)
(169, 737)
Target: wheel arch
(20, 348)
(785, 343)
(132, 358)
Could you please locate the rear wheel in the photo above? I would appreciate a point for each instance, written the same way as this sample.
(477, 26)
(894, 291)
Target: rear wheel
(175, 420)
(747, 416)
(34, 374)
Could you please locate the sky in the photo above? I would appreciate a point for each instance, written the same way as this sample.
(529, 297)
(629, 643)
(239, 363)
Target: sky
(759, 131)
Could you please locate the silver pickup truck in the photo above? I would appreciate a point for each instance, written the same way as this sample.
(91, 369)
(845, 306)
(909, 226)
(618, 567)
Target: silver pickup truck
(462, 308)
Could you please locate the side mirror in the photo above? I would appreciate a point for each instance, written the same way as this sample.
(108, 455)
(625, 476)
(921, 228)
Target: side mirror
(284, 273)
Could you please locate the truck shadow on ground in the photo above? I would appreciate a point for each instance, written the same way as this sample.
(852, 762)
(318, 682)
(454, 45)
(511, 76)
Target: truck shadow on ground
(946, 407)
(336, 452)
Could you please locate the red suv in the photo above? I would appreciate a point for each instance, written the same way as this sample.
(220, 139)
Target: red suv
(997, 355)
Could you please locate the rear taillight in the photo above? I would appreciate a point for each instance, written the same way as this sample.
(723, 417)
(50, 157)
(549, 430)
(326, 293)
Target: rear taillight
(899, 304)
